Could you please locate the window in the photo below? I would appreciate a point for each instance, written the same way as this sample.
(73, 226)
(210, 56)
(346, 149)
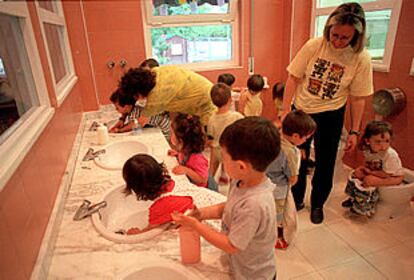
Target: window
(382, 22)
(57, 46)
(199, 33)
(24, 105)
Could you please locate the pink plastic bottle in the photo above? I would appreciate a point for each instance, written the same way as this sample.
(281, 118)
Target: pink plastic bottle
(189, 245)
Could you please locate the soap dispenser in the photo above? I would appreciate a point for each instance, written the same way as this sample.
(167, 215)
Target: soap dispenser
(103, 136)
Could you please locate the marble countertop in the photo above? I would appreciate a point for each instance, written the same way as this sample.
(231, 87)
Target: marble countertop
(79, 252)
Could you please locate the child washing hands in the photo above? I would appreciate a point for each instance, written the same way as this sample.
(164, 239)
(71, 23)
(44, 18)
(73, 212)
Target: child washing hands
(131, 113)
(248, 222)
(188, 138)
(149, 180)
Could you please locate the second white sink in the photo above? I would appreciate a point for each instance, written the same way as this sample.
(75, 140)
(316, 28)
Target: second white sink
(117, 153)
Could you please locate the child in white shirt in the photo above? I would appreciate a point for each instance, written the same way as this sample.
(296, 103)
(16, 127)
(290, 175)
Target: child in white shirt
(250, 100)
(229, 80)
(382, 168)
(221, 97)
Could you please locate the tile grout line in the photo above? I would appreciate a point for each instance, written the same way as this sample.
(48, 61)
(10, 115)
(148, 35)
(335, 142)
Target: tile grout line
(360, 254)
(307, 260)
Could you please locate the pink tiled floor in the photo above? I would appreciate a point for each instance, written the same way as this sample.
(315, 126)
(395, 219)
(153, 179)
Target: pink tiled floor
(343, 247)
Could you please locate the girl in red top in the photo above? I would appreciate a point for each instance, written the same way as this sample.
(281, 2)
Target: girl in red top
(149, 180)
(188, 138)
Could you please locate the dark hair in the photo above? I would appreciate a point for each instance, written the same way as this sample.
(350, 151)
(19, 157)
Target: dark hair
(189, 132)
(252, 139)
(348, 14)
(374, 128)
(144, 176)
(121, 98)
(255, 83)
(137, 81)
(227, 79)
(149, 63)
(115, 96)
(220, 94)
(278, 90)
(298, 122)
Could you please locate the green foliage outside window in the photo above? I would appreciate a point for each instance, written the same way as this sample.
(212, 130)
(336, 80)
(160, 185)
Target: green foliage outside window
(161, 35)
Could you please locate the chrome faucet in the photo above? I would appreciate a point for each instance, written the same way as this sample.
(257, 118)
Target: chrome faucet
(91, 154)
(86, 209)
(94, 126)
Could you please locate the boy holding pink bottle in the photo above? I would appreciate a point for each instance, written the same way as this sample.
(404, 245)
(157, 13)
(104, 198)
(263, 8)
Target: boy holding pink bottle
(248, 236)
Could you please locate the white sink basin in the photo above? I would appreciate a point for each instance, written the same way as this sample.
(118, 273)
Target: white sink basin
(117, 153)
(121, 213)
(161, 269)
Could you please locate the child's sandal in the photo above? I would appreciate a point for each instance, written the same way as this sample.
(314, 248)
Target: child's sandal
(223, 180)
(281, 244)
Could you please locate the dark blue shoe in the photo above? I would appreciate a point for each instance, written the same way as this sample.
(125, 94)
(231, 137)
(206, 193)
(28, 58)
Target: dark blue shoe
(300, 206)
(347, 203)
(316, 215)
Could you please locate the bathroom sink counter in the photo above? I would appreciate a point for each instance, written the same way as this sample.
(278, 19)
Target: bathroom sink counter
(77, 251)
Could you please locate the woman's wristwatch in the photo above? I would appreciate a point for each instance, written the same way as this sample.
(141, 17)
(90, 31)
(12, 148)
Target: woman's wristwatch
(354, 132)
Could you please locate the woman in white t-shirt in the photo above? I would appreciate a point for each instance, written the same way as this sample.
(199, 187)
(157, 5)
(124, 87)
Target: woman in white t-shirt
(323, 75)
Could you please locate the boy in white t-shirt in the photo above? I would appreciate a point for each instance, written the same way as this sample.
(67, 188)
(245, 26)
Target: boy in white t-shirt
(229, 80)
(250, 100)
(248, 145)
(221, 96)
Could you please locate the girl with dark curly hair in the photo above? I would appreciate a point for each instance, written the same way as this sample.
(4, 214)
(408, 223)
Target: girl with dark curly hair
(188, 138)
(149, 180)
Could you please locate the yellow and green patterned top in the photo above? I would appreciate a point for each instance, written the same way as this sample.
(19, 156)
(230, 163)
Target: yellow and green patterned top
(182, 91)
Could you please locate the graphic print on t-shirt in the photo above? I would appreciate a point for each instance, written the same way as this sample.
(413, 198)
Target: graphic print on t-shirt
(374, 164)
(330, 84)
